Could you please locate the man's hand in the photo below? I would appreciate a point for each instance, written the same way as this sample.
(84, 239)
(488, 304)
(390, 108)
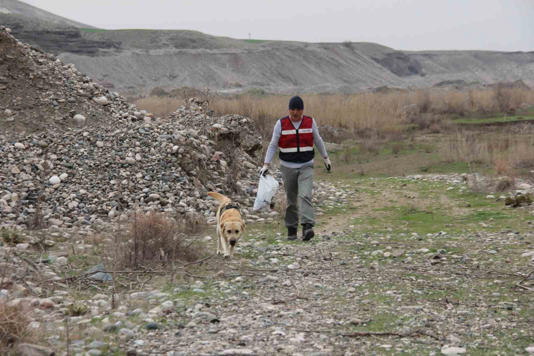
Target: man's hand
(327, 164)
(264, 170)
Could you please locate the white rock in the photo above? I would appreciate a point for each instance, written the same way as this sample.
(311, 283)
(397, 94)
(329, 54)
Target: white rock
(528, 254)
(238, 352)
(530, 349)
(293, 266)
(167, 306)
(61, 261)
(79, 119)
(102, 100)
(54, 180)
(63, 176)
(452, 350)
(19, 146)
(23, 246)
(55, 222)
(99, 144)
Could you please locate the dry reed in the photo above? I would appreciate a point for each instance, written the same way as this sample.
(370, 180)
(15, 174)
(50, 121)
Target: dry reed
(365, 112)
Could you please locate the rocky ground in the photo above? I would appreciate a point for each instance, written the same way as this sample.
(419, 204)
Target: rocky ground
(368, 283)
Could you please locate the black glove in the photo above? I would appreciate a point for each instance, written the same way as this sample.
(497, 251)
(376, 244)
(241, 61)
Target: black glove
(264, 170)
(328, 164)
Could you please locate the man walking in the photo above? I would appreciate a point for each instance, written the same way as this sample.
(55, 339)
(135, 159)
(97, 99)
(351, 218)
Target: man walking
(295, 135)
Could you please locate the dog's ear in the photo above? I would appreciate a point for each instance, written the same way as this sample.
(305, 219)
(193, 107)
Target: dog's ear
(242, 227)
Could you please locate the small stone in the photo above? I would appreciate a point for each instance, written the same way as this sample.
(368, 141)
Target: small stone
(79, 119)
(452, 350)
(19, 146)
(242, 352)
(167, 307)
(31, 350)
(46, 304)
(125, 333)
(152, 326)
(54, 180)
(102, 100)
(22, 246)
(97, 345)
(61, 261)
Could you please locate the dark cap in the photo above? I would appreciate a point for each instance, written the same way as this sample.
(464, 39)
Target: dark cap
(296, 103)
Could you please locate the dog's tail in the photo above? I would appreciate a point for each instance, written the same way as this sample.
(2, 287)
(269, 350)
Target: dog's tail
(219, 197)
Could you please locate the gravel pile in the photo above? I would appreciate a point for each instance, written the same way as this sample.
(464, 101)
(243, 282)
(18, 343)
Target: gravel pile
(38, 92)
(82, 175)
(73, 153)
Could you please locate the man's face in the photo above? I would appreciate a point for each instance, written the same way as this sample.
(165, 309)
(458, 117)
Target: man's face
(295, 114)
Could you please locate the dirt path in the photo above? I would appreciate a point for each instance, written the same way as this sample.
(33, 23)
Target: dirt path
(353, 292)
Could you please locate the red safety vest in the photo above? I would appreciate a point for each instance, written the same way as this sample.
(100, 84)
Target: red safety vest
(296, 145)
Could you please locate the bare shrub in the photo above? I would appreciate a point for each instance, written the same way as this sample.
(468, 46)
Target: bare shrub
(508, 100)
(370, 146)
(14, 326)
(347, 155)
(424, 103)
(396, 148)
(505, 184)
(154, 237)
(502, 166)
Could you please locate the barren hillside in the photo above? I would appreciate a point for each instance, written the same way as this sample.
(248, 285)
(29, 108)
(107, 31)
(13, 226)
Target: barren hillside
(136, 61)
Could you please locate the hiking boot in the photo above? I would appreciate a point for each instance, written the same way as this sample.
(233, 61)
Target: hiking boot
(291, 233)
(307, 232)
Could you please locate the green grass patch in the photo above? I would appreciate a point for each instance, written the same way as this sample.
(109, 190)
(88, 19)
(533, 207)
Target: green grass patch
(255, 41)
(92, 30)
(448, 167)
(492, 120)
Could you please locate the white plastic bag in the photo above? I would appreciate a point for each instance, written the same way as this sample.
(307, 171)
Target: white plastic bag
(266, 190)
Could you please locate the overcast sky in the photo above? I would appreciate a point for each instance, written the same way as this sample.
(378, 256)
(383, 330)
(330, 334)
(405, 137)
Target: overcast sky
(402, 24)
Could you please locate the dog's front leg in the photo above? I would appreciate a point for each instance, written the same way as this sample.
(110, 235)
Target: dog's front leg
(226, 249)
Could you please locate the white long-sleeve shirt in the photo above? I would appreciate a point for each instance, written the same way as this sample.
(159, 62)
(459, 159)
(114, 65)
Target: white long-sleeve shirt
(273, 145)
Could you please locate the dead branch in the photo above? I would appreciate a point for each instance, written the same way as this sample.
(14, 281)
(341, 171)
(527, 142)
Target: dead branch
(199, 261)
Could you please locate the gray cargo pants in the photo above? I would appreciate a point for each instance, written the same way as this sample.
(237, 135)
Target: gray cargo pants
(298, 183)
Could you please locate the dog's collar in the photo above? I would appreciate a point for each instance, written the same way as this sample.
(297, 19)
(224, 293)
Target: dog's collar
(231, 205)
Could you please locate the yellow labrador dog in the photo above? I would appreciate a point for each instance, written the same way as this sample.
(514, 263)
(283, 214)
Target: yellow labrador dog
(230, 225)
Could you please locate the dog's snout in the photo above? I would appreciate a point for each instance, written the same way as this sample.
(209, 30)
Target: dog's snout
(232, 242)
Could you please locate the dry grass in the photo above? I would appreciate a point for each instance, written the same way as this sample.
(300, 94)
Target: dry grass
(159, 106)
(506, 153)
(365, 114)
(154, 238)
(14, 326)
